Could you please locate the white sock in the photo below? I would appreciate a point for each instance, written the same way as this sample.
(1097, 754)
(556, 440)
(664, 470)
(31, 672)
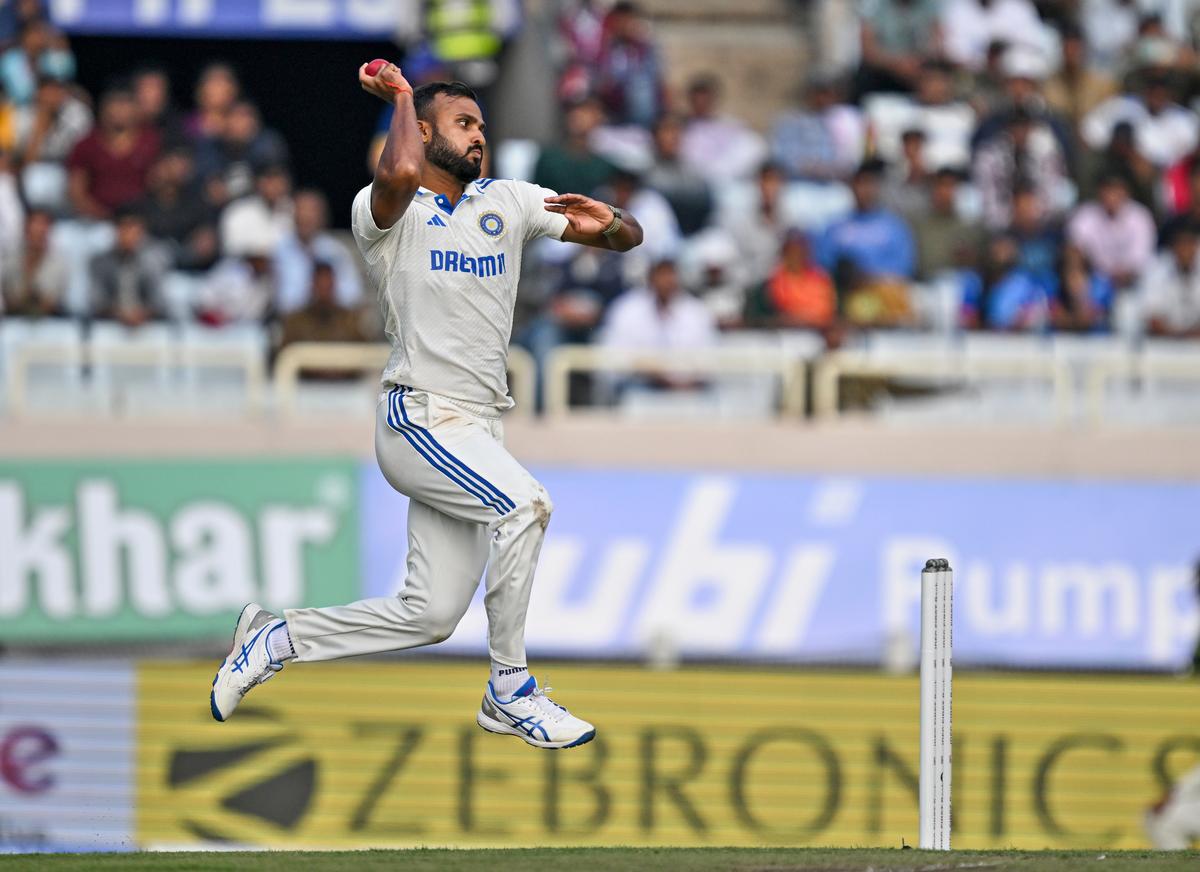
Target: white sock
(279, 644)
(507, 680)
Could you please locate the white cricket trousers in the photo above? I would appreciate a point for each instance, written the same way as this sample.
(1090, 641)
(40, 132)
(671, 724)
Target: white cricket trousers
(471, 505)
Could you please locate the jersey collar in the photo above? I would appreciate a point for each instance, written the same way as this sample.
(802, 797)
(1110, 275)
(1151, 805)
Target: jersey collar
(444, 203)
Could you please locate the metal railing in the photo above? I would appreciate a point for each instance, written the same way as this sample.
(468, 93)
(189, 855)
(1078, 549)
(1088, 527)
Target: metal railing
(946, 365)
(1086, 379)
(1157, 362)
(371, 357)
(566, 360)
(23, 358)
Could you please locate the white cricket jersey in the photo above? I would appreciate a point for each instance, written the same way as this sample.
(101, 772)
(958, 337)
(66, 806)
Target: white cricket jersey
(447, 277)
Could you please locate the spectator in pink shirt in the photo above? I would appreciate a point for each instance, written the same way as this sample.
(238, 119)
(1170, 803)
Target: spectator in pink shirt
(1114, 231)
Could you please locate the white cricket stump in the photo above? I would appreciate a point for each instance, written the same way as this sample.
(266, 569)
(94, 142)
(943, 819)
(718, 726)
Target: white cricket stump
(937, 638)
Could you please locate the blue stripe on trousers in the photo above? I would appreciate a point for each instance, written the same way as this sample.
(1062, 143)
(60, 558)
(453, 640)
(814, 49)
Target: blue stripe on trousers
(438, 448)
(409, 433)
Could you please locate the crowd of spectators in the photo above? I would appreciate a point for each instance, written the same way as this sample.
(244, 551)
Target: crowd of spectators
(124, 208)
(1034, 162)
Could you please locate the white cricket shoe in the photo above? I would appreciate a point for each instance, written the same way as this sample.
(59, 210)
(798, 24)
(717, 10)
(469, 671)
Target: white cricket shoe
(534, 717)
(249, 662)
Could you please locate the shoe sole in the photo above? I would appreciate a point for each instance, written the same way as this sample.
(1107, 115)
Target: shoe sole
(239, 632)
(494, 726)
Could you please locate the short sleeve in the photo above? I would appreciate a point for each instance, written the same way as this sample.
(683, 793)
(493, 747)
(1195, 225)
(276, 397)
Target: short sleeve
(367, 234)
(538, 221)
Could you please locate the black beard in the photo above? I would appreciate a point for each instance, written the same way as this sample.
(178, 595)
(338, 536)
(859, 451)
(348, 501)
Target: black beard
(441, 155)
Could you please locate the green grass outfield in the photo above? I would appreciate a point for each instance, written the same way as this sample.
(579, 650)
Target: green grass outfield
(620, 860)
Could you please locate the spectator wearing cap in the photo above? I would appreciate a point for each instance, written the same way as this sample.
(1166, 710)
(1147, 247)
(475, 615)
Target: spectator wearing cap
(1077, 88)
(712, 270)
(322, 318)
(872, 240)
(717, 145)
(243, 149)
(1163, 131)
(629, 76)
(108, 167)
(1114, 232)
(1026, 153)
(241, 287)
(686, 190)
(797, 293)
(822, 140)
(47, 130)
(267, 214)
(572, 164)
(970, 26)
(1169, 291)
(127, 280)
(308, 245)
(35, 281)
(945, 240)
(177, 215)
(895, 37)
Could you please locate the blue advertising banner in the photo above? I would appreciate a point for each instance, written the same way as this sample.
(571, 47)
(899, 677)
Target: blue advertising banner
(262, 19)
(814, 569)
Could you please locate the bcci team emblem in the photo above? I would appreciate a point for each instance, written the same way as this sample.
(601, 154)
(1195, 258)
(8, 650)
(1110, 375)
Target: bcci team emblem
(492, 224)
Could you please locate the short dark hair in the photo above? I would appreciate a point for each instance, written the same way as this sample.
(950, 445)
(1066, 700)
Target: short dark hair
(424, 96)
(129, 212)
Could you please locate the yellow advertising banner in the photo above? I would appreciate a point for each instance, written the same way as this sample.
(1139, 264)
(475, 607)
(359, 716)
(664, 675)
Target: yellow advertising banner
(386, 754)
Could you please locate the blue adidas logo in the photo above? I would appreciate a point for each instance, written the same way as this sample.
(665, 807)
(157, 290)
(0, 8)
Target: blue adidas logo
(435, 221)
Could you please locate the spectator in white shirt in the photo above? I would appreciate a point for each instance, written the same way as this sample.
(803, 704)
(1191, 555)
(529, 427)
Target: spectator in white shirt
(1169, 292)
(1111, 26)
(715, 145)
(936, 111)
(625, 191)
(970, 26)
(270, 207)
(312, 243)
(661, 316)
(1163, 130)
(1115, 232)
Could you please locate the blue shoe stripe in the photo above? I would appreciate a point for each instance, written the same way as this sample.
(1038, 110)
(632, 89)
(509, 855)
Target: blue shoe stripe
(212, 704)
(582, 740)
(410, 434)
(446, 455)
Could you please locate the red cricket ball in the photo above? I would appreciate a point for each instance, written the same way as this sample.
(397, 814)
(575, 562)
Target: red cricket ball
(375, 66)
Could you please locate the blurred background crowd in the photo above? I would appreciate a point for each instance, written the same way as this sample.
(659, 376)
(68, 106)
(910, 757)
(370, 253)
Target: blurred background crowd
(1003, 165)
